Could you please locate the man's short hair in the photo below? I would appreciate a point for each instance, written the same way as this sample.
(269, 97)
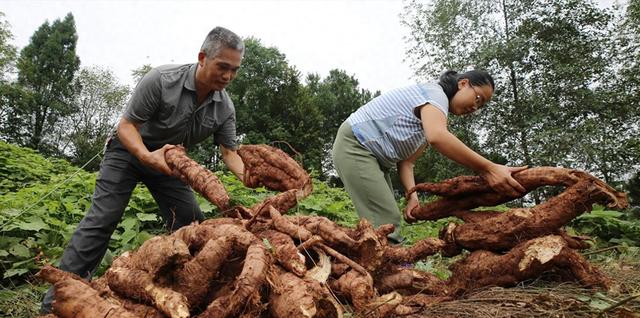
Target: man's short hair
(220, 38)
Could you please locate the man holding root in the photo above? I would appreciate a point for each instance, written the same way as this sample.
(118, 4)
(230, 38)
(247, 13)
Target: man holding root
(172, 104)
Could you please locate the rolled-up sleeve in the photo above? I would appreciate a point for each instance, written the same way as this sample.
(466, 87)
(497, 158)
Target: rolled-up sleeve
(146, 98)
(226, 135)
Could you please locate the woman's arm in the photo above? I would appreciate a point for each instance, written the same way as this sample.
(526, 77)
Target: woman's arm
(405, 170)
(497, 176)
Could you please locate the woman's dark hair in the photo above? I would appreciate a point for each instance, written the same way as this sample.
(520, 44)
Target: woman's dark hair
(449, 80)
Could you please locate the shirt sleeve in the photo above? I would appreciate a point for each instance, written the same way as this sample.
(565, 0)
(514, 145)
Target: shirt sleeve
(146, 98)
(226, 135)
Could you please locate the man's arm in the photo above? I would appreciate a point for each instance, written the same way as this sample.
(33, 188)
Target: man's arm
(233, 161)
(497, 176)
(130, 137)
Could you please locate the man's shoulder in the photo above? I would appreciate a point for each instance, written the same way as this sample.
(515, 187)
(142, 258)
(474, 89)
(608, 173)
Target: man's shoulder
(173, 71)
(174, 75)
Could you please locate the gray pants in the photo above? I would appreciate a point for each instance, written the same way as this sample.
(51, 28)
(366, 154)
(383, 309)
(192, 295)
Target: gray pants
(119, 174)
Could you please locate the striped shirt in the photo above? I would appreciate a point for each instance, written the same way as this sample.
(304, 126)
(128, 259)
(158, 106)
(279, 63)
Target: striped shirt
(388, 126)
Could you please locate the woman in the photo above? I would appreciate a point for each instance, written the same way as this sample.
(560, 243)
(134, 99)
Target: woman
(395, 128)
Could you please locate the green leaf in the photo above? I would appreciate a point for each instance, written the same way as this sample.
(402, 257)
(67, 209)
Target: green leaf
(20, 251)
(127, 236)
(598, 304)
(4, 253)
(15, 272)
(147, 217)
(33, 223)
(129, 223)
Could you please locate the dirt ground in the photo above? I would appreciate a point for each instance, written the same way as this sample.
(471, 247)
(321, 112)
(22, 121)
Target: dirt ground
(547, 298)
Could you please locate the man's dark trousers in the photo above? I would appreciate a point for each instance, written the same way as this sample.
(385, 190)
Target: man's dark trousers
(120, 171)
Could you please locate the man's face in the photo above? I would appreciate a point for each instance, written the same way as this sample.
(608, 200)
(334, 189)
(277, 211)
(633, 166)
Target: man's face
(217, 72)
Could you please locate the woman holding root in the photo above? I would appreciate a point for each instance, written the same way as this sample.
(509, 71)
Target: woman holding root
(395, 129)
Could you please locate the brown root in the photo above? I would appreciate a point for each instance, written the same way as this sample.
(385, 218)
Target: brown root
(199, 178)
(284, 225)
(273, 168)
(76, 298)
(292, 296)
(479, 194)
(526, 261)
(504, 231)
(411, 282)
(193, 280)
(419, 250)
(250, 280)
(358, 288)
(138, 284)
(285, 251)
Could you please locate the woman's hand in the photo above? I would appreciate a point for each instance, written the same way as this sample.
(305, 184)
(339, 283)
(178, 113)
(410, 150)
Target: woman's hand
(500, 180)
(411, 204)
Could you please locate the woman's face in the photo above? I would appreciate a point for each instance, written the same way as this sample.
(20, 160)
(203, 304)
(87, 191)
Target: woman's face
(469, 98)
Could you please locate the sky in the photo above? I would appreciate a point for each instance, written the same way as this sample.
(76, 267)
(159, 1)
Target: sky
(364, 38)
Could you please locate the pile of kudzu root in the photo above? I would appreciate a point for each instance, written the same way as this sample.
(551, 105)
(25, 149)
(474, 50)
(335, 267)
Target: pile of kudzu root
(260, 262)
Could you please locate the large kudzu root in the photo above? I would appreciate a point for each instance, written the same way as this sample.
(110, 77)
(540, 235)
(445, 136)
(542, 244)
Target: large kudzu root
(193, 280)
(292, 296)
(250, 280)
(138, 309)
(356, 287)
(197, 235)
(199, 178)
(282, 202)
(410, 281)
(369, 247)
(472, 192)
(133, 274)
(76, 298)
(507, 229)
(273, 168)
(525, 261)
(158, 254)
(137, 284)
(332, 233)
(285, 251)
(529, 178)
(285, 225)
(419, 250)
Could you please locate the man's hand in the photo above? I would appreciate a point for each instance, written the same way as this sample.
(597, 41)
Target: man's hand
(500, 180)
(155, 160)
(411, 204)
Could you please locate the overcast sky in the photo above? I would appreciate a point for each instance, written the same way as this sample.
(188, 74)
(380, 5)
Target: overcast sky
(364, 38)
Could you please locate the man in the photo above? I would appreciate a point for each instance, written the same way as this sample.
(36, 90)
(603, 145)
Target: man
(172, 104)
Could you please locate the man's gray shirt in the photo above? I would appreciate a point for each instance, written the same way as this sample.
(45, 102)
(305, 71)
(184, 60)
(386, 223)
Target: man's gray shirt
(165, 102)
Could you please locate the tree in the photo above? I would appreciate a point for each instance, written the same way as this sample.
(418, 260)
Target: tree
(9, 93)
(46, 69)
(7, 51)
(549, 59)
(140, 72)
(98, 103)
(271, 105)
(336, 96)
(441, 39)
